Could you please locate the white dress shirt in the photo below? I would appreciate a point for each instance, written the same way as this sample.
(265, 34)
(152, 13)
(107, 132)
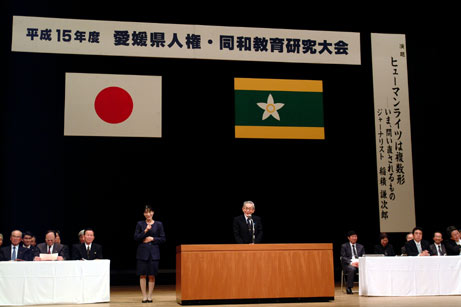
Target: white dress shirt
(354, 259)
(418, 246)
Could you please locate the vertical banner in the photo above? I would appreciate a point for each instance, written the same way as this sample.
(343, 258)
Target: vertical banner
(393, 137)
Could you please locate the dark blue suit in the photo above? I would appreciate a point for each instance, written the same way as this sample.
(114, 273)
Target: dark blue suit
(412, 250)
(242, 233)
(22, 253)
(148, 254)
(149, 250)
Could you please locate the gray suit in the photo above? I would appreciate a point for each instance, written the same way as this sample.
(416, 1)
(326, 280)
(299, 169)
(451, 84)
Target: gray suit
(59, 249)
(346, 257)
(433, 250)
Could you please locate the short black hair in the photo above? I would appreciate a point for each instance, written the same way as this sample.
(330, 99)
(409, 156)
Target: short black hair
(383, 235)
(27, 233)
(351, 233)
(450, 229)
(416, 228)
(148, 207)
(86, 229)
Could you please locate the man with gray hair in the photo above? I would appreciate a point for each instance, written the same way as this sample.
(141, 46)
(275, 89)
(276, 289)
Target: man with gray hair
(248, 228)
(81, 236)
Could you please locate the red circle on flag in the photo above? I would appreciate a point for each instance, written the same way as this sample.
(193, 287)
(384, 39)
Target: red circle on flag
(113, 105)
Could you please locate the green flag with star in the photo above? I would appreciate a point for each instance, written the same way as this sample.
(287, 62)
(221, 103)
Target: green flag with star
(278, 109)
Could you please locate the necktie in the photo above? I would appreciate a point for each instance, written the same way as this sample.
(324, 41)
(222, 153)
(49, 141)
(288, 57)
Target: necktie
(49, 249)
(88, 252)
(438, 250)
(13, 256)
(250, 229)
(355, 251)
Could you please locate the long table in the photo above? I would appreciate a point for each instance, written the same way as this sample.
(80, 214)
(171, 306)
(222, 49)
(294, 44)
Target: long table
(410, 276)
(283, 272)
(54, 282)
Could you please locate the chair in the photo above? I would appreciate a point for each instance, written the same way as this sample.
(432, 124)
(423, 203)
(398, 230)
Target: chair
(343, 281)
(344, 276)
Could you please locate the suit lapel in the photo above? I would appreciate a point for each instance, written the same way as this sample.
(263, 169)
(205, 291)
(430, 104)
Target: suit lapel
(83, 250)
(359, 250)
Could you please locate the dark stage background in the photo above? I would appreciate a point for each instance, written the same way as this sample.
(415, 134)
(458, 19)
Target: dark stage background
(197, 175)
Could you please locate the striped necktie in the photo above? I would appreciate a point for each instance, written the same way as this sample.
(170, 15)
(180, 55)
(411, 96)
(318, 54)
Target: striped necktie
(13, 255)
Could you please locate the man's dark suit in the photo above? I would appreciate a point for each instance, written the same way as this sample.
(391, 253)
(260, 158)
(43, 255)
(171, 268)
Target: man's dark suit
(79, 252)
(241, 230)
(66, 252)
(412, 250)
(433, 250)
(22, 253)
(452, 248)
(42, 248)
(346, 257)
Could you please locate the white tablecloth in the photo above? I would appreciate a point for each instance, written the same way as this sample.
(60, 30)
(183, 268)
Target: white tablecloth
(410, 276)
(54, 282)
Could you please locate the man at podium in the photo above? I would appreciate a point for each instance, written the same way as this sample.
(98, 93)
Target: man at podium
(248, 228)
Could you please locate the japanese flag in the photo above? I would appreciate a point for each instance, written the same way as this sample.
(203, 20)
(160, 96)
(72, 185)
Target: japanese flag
(113, 105)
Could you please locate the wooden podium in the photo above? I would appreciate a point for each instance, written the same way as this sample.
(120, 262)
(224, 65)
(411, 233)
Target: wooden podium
(261, 272)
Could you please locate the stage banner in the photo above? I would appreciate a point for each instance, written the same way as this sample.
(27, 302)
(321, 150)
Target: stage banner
(97, 37)
(393, 135)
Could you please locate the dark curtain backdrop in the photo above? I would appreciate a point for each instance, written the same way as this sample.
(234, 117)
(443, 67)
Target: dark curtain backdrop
(197, 175)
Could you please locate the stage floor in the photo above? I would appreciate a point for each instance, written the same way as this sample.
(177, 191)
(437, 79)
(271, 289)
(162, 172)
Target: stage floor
(165, 295)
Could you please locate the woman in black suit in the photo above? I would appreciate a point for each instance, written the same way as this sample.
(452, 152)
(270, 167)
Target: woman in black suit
(149, 234)
(384, 247)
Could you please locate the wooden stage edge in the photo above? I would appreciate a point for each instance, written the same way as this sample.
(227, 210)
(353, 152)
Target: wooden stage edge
(258, 301)
(165, 296)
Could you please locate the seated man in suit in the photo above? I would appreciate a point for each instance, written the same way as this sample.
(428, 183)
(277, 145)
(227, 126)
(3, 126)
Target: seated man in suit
(87, 250)
(247, 227)
(350, 253)
(50, 247)
(33, 241)
(453, 245)
(15, 251)
(27, 238)
(437, 248)
(417, 246)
